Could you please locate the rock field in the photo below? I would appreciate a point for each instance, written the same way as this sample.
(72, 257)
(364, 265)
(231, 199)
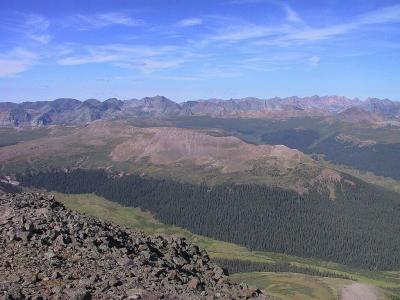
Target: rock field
(50, 252)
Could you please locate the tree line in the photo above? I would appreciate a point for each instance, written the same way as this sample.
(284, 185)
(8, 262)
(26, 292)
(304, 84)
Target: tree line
(359, 227)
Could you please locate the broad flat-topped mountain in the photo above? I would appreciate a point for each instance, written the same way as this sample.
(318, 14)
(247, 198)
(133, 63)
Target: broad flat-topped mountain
(152, 150)
(67, 111)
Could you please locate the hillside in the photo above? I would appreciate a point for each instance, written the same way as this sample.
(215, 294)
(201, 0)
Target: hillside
(280, 195)
(360, 145)
(286, 274)
(184, 154)
(358, 114)
(165, 146)
(51, 252)
(313, 225)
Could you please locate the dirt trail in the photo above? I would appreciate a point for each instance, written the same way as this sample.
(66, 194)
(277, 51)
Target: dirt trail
(359, 291)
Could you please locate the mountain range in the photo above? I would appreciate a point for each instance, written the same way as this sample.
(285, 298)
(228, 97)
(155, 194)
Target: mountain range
(314, 177)
(66, 111)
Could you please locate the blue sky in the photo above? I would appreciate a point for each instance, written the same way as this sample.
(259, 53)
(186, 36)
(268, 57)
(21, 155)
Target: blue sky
(198, 49)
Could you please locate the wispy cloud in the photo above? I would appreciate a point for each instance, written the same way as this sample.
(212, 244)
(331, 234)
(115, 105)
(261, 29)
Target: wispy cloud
(34, 27)
(88, 59)
(89, 22)
(256, 41)
(118, 19)
(40, 38)
(37, 22)
(290, 33)
(10, 67)
(314, 60)
(272, 61)
(292, 30)
(16, 61)
(383, 15)
(144, 58)
(248, 31)
(85, 53)
(245, 1)
(178, 78)
(291, 15)
(190, 22)
(152, 65)
(221, 72)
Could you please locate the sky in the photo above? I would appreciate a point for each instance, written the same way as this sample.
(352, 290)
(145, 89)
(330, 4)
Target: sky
(198, 49)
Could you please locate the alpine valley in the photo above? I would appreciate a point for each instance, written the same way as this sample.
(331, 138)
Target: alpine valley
(297, 196)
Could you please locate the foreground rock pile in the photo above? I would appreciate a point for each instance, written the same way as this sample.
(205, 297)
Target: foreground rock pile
(50, 252)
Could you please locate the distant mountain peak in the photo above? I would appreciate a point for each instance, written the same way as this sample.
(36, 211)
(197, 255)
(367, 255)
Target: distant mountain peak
(157, 98)
(72, 111)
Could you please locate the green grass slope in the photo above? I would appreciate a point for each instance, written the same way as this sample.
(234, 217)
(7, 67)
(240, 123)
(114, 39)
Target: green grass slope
(291, 286)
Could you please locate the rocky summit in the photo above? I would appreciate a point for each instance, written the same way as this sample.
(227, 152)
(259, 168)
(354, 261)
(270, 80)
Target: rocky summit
(50, 252)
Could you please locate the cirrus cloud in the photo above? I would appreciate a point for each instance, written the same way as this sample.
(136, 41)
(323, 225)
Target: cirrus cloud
(96, 21)
(190, 22)
(314, 60)
(16, 61)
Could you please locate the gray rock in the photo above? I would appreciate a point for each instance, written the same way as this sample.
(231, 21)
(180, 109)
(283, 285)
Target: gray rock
(78, 294)
(50, 252)
(194, 283)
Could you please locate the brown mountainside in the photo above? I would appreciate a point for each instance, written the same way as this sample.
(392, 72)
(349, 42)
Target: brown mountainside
(184, 153)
